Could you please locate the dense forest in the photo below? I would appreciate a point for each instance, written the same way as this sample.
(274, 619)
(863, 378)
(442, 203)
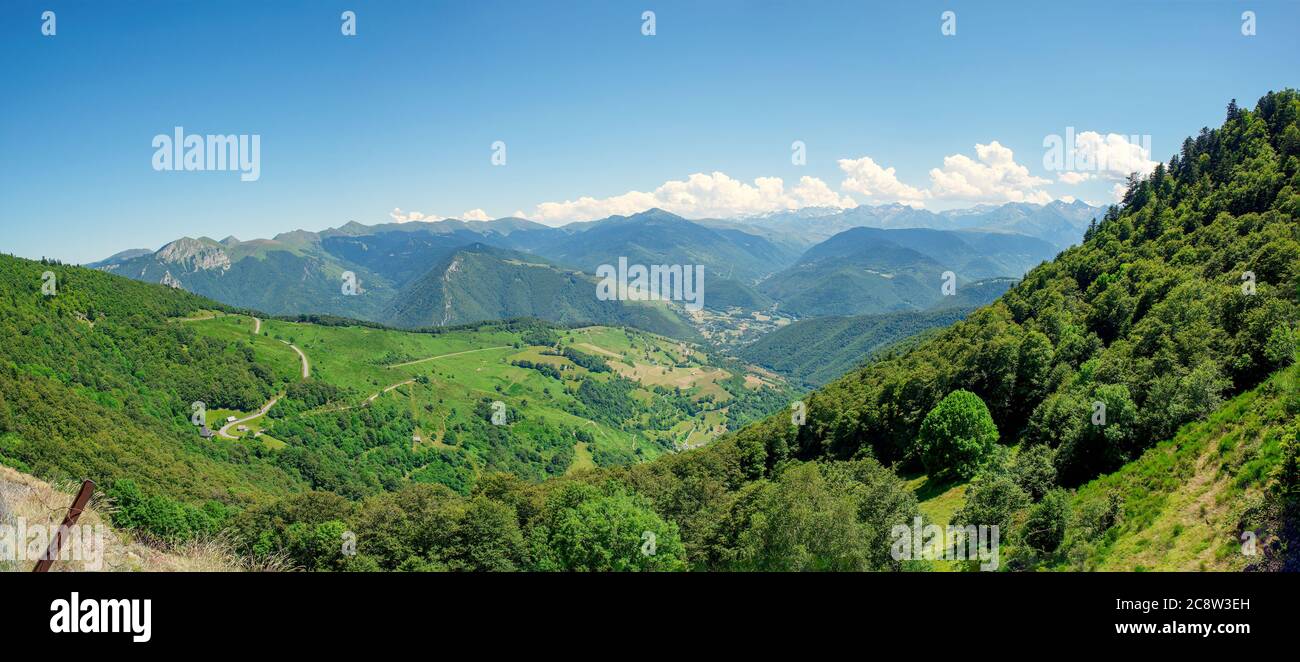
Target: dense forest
(1182, 298)
(815, 351)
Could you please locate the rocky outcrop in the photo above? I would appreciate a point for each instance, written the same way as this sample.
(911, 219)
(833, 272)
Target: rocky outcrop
(194, 255)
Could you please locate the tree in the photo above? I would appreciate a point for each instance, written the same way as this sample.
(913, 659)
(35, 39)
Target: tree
(1033, 470)
(956, 436)
(487, 538)
(1045, 527)
(992, 500)
(1103, 434)
(1287, 473)
(1281, 349)
(588, 531)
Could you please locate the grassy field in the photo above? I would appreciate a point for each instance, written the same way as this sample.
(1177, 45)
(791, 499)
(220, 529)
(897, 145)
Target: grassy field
(443, 379)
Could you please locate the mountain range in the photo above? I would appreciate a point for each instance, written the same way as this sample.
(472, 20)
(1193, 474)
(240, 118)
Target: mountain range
(1059, 223)
(415, 274)
(869, 270)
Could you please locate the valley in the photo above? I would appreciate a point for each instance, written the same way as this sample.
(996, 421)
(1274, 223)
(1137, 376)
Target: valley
(437, 385)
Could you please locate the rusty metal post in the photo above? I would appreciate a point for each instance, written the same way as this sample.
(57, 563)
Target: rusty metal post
(74, 513)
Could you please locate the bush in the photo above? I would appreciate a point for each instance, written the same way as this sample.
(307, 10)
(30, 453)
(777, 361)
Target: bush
(1034, 472)
(992, 500)
(1045, 527)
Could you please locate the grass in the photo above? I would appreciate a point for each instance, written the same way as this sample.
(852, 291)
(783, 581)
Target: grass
(582, 459)
(937, 501)
(1184, 499)
(39, 503)
(466, 366)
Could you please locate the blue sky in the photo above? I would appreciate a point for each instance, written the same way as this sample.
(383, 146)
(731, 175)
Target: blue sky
(403, 115)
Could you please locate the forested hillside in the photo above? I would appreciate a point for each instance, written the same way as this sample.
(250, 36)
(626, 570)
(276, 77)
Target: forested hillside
(1182, 297)
(102, 377)
(479, 283)
(95, 382)
(866, 271)
(815, 351)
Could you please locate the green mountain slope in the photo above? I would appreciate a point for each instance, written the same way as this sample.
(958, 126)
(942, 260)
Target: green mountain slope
(814, 351)
(99, 380)
(287, 275)
(1149, 316)
(870, 270)
(96, 382)
(1211, 498)
(478, 282)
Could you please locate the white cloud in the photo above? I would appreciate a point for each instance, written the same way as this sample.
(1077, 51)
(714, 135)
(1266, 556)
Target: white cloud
(400, 216)
(866, 178)
(994, 177)
(697, 196)
(1073, 177)
(813, 192)
(1112, 156)
(1118, 190)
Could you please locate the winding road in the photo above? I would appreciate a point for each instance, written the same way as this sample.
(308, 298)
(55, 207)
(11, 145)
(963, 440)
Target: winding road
(389, 388)
(440, 356)
(306, 366)
(429, 358)
(224, 432)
